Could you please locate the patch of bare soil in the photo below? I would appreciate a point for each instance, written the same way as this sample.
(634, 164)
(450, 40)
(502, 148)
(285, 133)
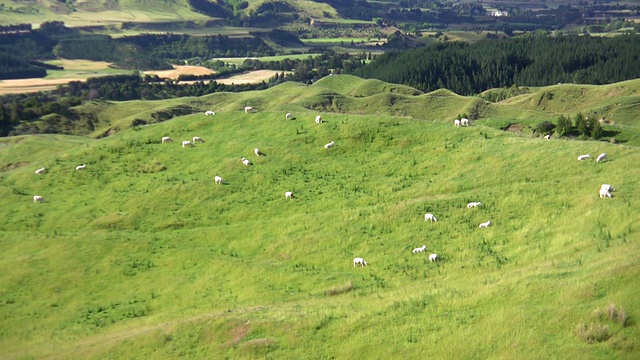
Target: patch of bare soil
(514, 128)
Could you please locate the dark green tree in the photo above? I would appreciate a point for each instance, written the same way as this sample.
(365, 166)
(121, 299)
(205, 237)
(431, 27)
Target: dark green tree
(581, 124)
(564, 125)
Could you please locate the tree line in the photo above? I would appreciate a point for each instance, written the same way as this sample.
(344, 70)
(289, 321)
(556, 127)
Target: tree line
(531, 60)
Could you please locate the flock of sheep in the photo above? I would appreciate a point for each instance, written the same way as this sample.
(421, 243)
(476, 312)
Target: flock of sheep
(247, 109)
(429, 217)
(605, 192)
(605, 189)
(39, 198)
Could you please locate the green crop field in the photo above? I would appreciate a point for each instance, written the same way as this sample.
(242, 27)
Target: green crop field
(141, 255)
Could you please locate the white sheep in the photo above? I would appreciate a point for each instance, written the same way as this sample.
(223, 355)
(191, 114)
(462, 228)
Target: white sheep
(40, 171)
(209, 112)
(607, 187)
(288, 195)
(186, 143)
(38, 198)
(248, 109)
(604, 191)
(258, 152)
(473, 204)
(420, 249)
(456, 122)
(246, 161)
(81, 167)
(433, 257)
(166, 139)
(318, 119)
(464, 122)
(330, 145)
(602, 157)
(360, 261)
(218, 179)
(288, 116)
(197, 139)
(547, 137)
(582, 157)
(485, 225)
(429, 216)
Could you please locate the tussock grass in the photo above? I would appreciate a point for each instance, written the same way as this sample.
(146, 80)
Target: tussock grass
(602, 324)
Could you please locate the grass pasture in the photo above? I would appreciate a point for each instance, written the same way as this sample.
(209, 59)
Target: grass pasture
(141, 255)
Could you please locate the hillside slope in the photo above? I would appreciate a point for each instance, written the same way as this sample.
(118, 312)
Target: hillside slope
(141, 255)
(115, 12)
(618, 103)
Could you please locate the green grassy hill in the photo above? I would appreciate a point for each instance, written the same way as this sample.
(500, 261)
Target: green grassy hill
(141, 255)
(618, 103)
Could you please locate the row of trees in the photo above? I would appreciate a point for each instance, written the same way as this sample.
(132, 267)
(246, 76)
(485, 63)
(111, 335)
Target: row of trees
(530, 60)
(582, 126)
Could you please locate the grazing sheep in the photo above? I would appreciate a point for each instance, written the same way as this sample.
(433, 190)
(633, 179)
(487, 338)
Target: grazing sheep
(473, 204)
(485, 225)
(288, 195)
(246, 161)
(429, 216)
(318, 119)
(248, 109)
(605, 191)
(38, 198)
(330, 145)
(209, 112)
(81, 167)
(40, 171)
(582, 157)
(186, 143)
(360, 261)
(218, 179)
(464, 122)
(547, 137)
(456, 122)
(607, 187)
(602, 157)
(166, 139)
(433, 257)
(197, 139)
(258, 152)
(288, 116)
(420, 249)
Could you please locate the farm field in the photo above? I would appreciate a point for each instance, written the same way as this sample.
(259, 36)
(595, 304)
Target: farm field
(240, 61)
(81, 71)
(181, 70)
(142, 255)
(251, 77)
(74, 70)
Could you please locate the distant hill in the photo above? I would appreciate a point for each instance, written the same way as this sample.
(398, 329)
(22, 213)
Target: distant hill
(346, 94)
(113, 12)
